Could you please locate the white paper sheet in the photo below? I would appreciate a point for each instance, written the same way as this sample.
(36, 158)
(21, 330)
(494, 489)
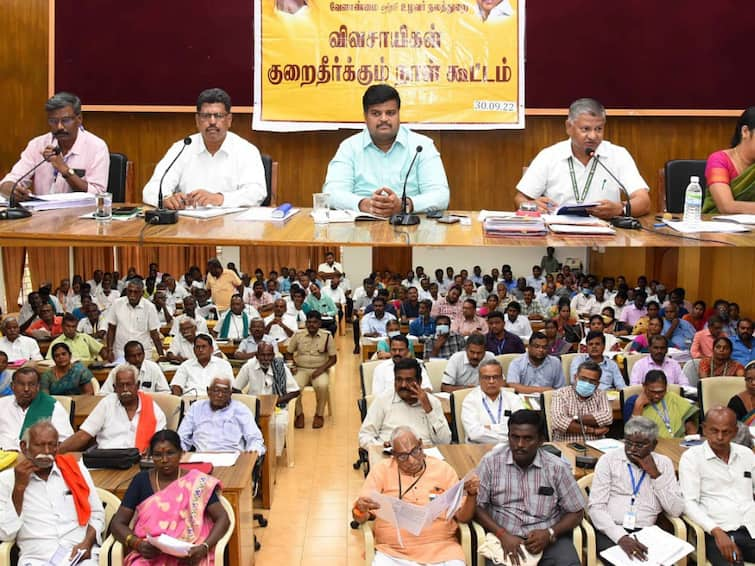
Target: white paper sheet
(208, 211)
(170, 545)
(738, 218)
(705, 226)
(217, 459)
(606, 444)
(663, 549)
(265, 213)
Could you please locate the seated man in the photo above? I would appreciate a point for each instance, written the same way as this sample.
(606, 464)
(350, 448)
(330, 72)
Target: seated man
(160, 300)
(248, 346)
(536, 371)
(436, 544)
(516, 324)
(280, 325)
(330, 267)
(371, 167)
(680, 333)
(597, 324)
(450, 305)
(218, 168)
(469, 323)
(47, 326)
(383, 377)
(149, 376)
(676, 417)
(125, 419)
(27, 406)
(182, 345)
(568, 172)
(16, 346)
(528, 497)
(190, 311)
(257, 297)
(219, 423)
(658, 360)
(462, 369)
(266, 374)
(743, 346)
(610, 377)
(196, 374)
(409, 405)
(445, 343)
(314, 352)
(500, 341)
(233, 324)
(81, 163)
(334, 291)
(373, 323)
(630, 488)
(317, 301)
(93, 322)
(423, 326)
(632, 313)
(174, 293)
(531, 307)
(82, 345)
(486, 409)
(133, 318)
(581, 412)
(717, 482)
(49, 501)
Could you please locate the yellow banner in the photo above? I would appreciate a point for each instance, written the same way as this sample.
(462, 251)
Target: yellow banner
(457, 64)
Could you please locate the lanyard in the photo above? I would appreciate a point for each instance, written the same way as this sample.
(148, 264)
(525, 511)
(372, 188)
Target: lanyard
(499, 345)
(635, 486)
(574, 186)
(500, 409)
(408, 489)
(664, 415)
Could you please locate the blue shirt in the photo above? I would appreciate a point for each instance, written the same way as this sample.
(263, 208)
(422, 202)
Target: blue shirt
(359, 168)
(610, 378)
(682, 337)
(740, 352)
(419, 327)
(225, 430)
(547, 374)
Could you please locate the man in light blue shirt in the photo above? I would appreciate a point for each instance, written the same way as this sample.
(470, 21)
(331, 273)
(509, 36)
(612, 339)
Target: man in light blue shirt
(743, 346)
(611, 377)
(679, 332)
(535, 371)
(369, 169)
(373, 323)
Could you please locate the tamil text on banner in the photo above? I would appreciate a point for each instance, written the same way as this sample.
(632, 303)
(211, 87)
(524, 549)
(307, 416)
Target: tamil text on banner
(458, 64)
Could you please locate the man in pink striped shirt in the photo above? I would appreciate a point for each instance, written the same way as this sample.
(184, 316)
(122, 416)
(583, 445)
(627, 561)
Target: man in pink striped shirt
(81, 164)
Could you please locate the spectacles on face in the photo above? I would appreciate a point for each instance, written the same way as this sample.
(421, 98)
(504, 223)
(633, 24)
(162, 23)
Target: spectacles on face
(207, 116)
(490, 377)
(638, 445)
(65, 120)
(219, 390)
(404, 456)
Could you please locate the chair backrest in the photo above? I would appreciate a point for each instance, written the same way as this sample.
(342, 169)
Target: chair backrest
(68, 404)
(631, 390)
(677, 173)
(250, 401)
(435, 369)
(271, 179)
(222, 544)
(457, 426)
(545, 406)
(116, 181)
(172, 406)
(110, 503)
(366, 372)
(95, 386)
(690, 369)
(712, 391)
(631, 359)
(505, 361)
(566, 360)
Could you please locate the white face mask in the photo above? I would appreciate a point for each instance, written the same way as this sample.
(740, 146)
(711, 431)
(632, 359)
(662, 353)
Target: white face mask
(442, 329)
(393, 333)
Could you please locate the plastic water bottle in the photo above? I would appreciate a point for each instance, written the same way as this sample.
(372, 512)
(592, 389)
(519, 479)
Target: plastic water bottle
(693, 201)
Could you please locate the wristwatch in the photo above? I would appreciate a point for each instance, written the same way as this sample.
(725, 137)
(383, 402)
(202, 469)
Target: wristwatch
(67, 173)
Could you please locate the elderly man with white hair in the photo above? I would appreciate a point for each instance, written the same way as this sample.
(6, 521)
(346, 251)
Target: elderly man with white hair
(182, 345)
(16, 346)
(220, 423)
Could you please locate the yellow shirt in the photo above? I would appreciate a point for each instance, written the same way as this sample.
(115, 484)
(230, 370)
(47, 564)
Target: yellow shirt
(223, 288)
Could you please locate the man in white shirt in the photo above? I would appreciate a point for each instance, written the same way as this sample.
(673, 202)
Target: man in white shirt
(248, 346)
(17, 412)
(407, 405)
(462, 369)
(149, 376)
(373, 323)
(329, 267)
(218, 168)
(39, 506)
(93, 322)
(267, 375)
(190, 311)
(280, 325)
(105, 295)
(486, 409)
(383, 376)
(515, 323)
(133, 318)
(575, 171)
(16, 346)
(195, 375)
(233, 324)
(718, 480)
(122, 419)
(182, 346)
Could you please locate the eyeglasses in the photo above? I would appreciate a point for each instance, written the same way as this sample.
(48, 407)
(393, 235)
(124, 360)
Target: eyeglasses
(169, 455)
(638, 445)
(206, 116)
(491, 377)
(219, 390)
(404, 456)
(65, 120)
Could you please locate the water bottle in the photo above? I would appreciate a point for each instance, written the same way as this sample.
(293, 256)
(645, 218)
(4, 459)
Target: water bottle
(693, 201)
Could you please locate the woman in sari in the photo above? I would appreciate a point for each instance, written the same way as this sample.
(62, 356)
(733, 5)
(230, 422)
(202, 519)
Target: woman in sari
(720, 363)
(556, 345)
(66, 378)
(730, 173)
(676, 417)
(641, 343)
(566, 323)
(697, 317)
(743, 404)
(182, 504)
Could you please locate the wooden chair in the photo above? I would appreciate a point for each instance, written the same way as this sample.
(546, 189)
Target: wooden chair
(631, 359)
(712, 391)
(95, 386)
(690, 369)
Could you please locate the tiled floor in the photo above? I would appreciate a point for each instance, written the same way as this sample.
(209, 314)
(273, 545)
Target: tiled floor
(310, 515)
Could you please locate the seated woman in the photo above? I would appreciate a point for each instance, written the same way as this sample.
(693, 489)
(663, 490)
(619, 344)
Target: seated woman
(743, 404)
(568, 329)
(641, 344)
(66, 378)
(557, 346)
(182, 504)
(392, 328)
(730, 173)
(611, 325)
(675, 416)
(490, 305)
(720, 363)
(697, 317)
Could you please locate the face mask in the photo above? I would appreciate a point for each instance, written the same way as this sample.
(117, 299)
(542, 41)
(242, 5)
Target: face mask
(442, 329)
(585, 388)
(393, 333)
(586, 292)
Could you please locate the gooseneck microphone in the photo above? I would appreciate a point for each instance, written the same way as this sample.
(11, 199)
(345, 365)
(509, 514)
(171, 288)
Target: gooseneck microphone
(625, 221)
(403, 218)
(163, 215)
(14, 212)
(584, 461)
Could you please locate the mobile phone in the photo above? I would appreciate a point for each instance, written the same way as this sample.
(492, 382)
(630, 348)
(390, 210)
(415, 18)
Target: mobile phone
(434, 214)
(449, 219)
(577, 446)
(124, 210)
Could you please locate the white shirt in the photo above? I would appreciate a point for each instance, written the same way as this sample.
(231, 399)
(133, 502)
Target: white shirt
(133, 323)
(260, 381)
(106, 301)
(276, 332)
(460, 372)
(325, 268)
(48, 516)
(499, 13)
(151, 378)
(172, 297)
(109, 424)
(22, 348)
(199, 321)
(299, 315)
(236, 324)
(235, 170)
(521, 327)
(383, 378)
(191, 375)
(86, 327)
(548, 174)
(611, 341)
(337, 294)
(583, 304)
(486, 427)
(182, 348)
(12, 419)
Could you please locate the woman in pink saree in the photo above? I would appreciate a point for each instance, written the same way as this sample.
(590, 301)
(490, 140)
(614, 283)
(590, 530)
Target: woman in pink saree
(168, 500)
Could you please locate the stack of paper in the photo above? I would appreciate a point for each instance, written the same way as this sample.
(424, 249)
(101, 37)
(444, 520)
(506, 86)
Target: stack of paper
(516, 226)
(268, 213)
(570, 224)
(605, 444)
(663, 549)
(208, 211)
(336, 216)
(705, 226)
(59, 200)
(738, 218)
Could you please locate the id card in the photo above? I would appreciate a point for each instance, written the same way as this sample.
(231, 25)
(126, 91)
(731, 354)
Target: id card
(630, 518)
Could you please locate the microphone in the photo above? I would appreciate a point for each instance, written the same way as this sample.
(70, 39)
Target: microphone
(619, 221)
(162, 215)
(14, 212)
(403, 218)
(584, 461)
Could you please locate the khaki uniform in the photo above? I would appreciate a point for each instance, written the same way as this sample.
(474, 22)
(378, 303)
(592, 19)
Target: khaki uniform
(311, 352)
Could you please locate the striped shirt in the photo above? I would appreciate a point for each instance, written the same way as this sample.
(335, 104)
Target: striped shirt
(521, 501)
(566, 403)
